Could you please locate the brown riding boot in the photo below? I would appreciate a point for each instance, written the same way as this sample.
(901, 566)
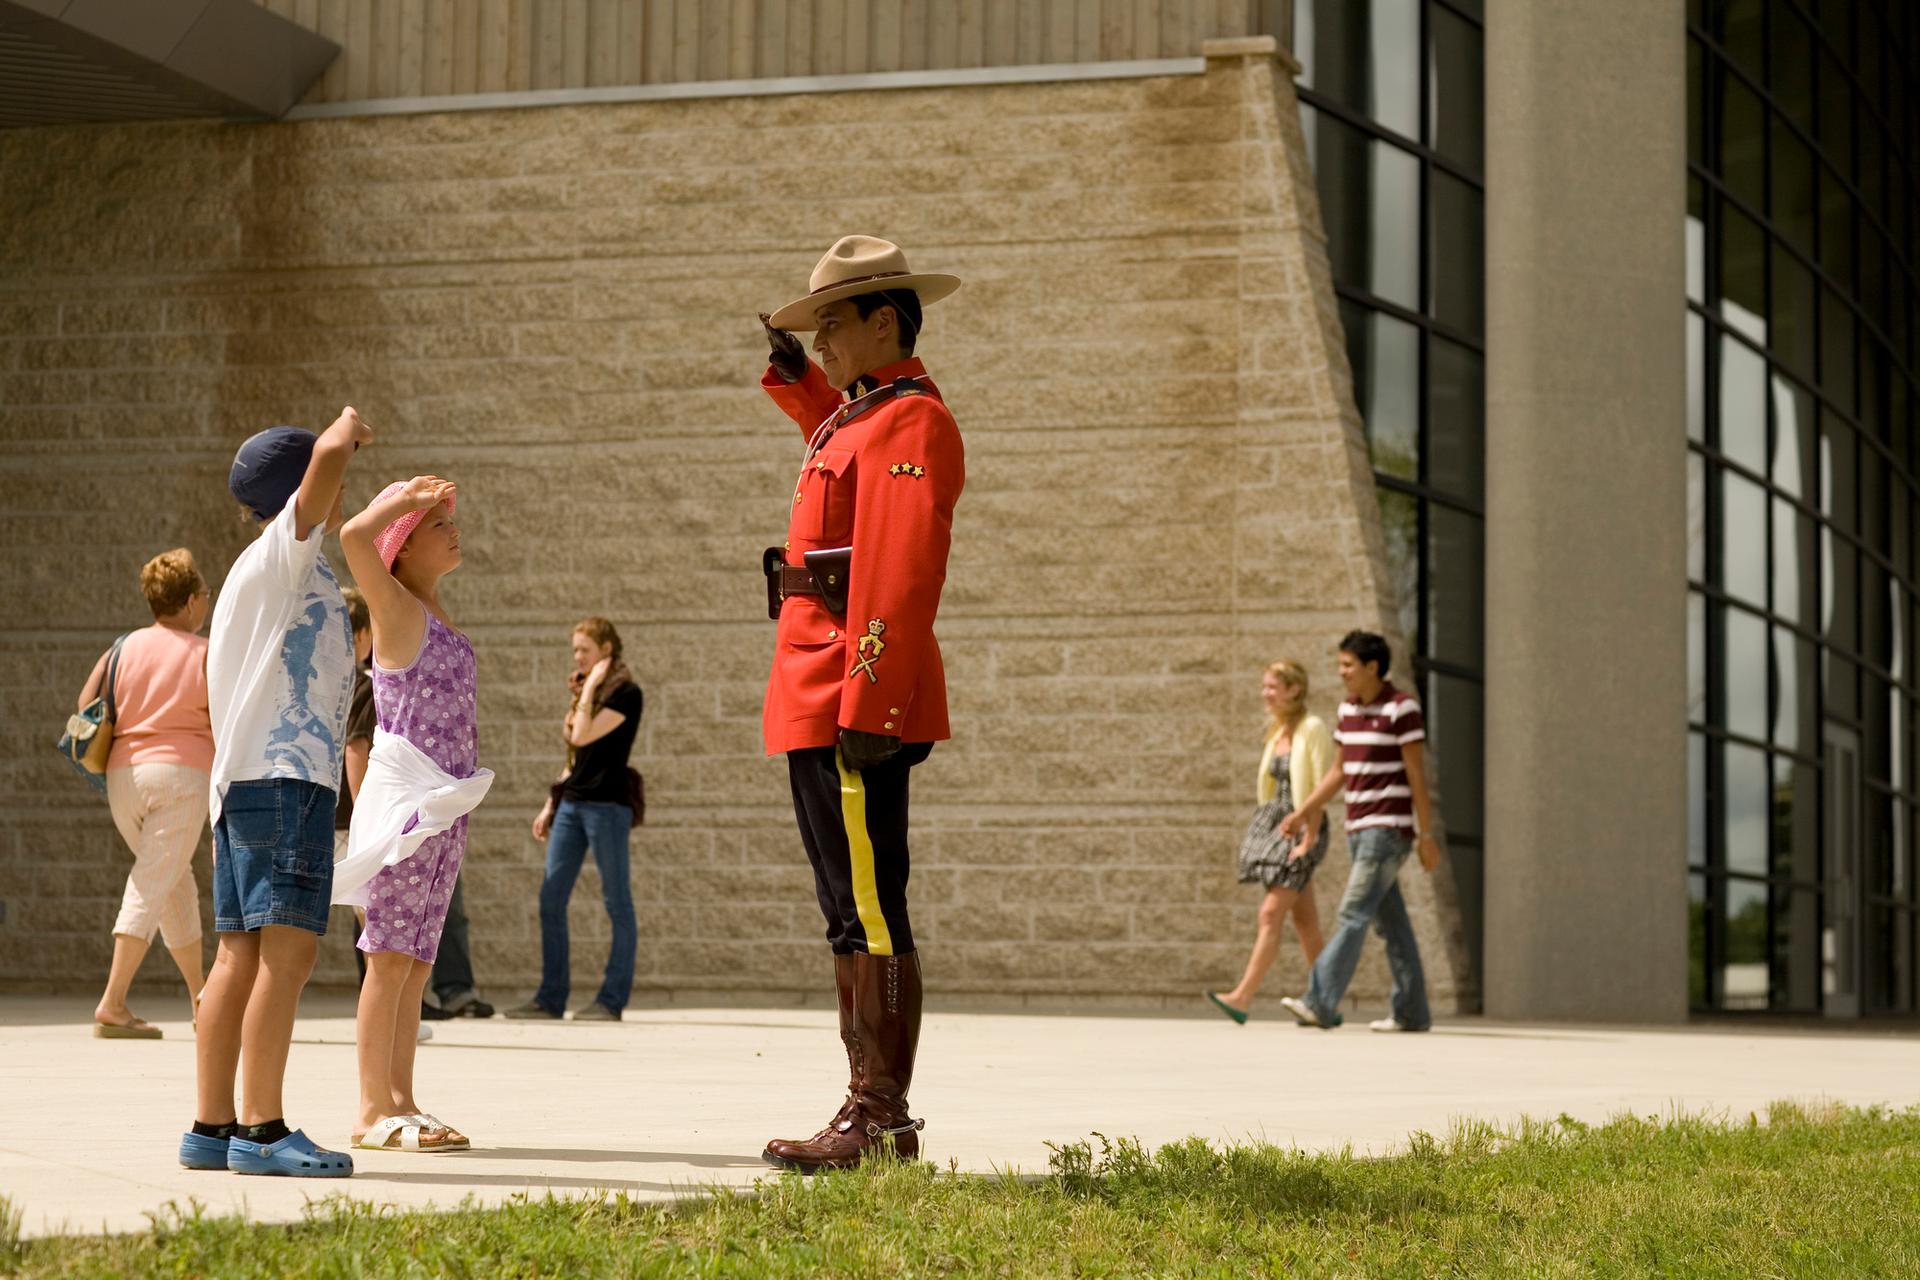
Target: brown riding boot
(786, 1151)
(886, 1029)
(886, 1008)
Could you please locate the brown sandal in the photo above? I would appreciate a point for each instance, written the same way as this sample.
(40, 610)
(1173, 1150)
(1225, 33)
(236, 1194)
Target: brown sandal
(138, 1029)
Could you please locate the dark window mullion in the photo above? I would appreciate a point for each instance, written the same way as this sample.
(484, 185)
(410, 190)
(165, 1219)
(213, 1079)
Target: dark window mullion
(1756, 84)
(1399, 311)
(1455, 8)
(1716, 327)
(1845, 289)
(1420, 493)
(1719, 733)
(1454, 670)
(1378, 132)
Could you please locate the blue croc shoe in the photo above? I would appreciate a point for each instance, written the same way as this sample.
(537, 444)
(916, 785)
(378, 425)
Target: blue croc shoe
(198, 1151)
(294, 1156)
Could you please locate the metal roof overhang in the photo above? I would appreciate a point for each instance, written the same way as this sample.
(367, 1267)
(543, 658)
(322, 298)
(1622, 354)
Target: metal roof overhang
(80, 61)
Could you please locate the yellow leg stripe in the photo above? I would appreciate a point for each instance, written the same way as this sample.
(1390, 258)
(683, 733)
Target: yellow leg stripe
(866, 895)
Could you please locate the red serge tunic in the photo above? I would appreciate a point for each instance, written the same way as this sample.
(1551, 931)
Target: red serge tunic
(884, 484)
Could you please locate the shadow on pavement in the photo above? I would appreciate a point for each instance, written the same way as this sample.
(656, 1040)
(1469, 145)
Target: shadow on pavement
(1489, 1033)
(588, 1155)
(758, 1026)
(440, 1046)
(533, 1182)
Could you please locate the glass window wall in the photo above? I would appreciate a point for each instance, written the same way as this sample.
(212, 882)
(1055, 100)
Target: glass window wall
(1802, 485)
(1393, 101)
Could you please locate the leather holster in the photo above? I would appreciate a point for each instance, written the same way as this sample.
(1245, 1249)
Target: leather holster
(825, 574)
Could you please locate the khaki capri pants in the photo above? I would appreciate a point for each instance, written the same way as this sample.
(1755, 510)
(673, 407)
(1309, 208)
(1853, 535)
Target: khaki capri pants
(160, 810)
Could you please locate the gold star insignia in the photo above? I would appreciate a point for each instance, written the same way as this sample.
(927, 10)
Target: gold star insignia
(918, 472)
(894, 470)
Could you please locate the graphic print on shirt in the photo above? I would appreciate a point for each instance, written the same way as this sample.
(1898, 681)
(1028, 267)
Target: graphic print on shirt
(304, 742)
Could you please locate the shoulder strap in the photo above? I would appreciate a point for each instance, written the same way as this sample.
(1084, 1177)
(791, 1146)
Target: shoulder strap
(873, 399)
(112, 678)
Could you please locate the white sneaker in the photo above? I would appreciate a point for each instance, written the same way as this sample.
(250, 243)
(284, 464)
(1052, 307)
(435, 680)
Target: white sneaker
(426, 1034)
(1302, 1012)
(1388, 1024)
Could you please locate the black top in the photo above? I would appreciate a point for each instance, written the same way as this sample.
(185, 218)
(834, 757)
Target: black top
(600, 768)
(359, 728)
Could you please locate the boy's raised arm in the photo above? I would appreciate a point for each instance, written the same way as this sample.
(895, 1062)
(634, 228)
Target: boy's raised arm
(320, 487)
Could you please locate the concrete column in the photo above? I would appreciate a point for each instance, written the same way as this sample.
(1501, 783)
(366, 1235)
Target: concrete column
(1586, 510)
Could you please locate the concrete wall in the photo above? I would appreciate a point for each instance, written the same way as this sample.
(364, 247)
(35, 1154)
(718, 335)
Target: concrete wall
(1168, 483)
(1586, 511)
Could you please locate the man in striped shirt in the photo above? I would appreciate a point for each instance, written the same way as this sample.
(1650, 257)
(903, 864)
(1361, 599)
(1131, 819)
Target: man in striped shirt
(1382, 766)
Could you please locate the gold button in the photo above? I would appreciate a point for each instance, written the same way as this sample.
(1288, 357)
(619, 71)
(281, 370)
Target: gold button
(889, 724)
(796, 499)
(893, 711)
(833, 635)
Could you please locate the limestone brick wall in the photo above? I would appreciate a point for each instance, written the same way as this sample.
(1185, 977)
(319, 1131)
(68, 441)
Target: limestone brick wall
(1167, 485)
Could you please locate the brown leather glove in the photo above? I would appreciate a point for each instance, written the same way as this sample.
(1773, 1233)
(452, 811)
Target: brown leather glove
(865, 750)
(785, 354)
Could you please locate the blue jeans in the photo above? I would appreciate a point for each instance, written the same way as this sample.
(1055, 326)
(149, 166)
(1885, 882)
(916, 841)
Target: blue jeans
(578, 825)
(1373, 898)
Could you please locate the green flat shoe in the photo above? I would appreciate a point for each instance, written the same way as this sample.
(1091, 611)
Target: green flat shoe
(1238, 1015)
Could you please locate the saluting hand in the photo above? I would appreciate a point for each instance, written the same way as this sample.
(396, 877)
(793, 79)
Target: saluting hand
(785, 354)
(423, 492)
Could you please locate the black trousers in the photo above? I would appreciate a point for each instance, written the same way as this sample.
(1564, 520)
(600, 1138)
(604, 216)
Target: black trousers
(854, 824)
(453, 967)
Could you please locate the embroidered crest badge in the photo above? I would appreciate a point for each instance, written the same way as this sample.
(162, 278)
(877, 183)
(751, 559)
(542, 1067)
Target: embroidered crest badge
(870, 646)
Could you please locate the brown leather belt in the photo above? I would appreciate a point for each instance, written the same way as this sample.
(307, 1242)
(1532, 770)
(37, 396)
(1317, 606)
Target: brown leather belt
(825, 575)
(797, 580)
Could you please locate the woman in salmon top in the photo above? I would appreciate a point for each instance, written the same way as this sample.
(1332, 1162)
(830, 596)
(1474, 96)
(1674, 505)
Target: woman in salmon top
(157, 783)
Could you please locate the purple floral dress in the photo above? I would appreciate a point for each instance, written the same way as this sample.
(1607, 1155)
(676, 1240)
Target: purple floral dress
(431, 705)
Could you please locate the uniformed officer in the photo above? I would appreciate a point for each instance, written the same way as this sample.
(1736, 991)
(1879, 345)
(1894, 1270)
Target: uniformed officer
(858, 696)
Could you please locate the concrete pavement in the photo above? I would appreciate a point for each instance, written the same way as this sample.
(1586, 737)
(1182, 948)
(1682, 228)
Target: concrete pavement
(673, 1099)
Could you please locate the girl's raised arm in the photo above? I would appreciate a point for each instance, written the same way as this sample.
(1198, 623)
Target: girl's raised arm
(399, 619)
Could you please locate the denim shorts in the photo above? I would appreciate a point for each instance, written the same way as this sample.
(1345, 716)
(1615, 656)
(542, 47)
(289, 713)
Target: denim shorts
(273, 856)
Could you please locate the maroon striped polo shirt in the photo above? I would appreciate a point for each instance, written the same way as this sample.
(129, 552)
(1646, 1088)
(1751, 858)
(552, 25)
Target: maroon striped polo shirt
(1371, 738)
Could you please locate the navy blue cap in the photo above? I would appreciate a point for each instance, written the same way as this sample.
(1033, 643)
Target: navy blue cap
(269, 468)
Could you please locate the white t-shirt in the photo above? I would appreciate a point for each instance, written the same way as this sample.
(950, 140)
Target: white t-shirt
(279, 663)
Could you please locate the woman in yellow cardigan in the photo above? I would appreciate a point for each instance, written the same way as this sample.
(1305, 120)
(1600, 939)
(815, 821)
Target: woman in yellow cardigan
(1298, 753)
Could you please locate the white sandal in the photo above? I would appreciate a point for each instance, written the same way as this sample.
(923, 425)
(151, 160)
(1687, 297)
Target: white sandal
(456, 1142)
(401, 1133)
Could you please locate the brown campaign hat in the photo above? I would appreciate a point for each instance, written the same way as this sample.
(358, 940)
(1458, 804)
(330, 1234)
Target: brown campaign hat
(857, 265)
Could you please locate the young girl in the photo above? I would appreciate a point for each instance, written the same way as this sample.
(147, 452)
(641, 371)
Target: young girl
(1298, 753)
(399, 548)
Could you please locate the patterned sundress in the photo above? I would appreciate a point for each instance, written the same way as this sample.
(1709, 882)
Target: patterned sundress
(1264, 855)
(431, 704)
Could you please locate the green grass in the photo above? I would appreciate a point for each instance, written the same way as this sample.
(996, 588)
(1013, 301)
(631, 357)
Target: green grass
(1796, 1193)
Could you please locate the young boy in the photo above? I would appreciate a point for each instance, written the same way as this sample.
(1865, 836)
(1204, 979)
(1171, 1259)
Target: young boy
(1383, 768)
(279, 678)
